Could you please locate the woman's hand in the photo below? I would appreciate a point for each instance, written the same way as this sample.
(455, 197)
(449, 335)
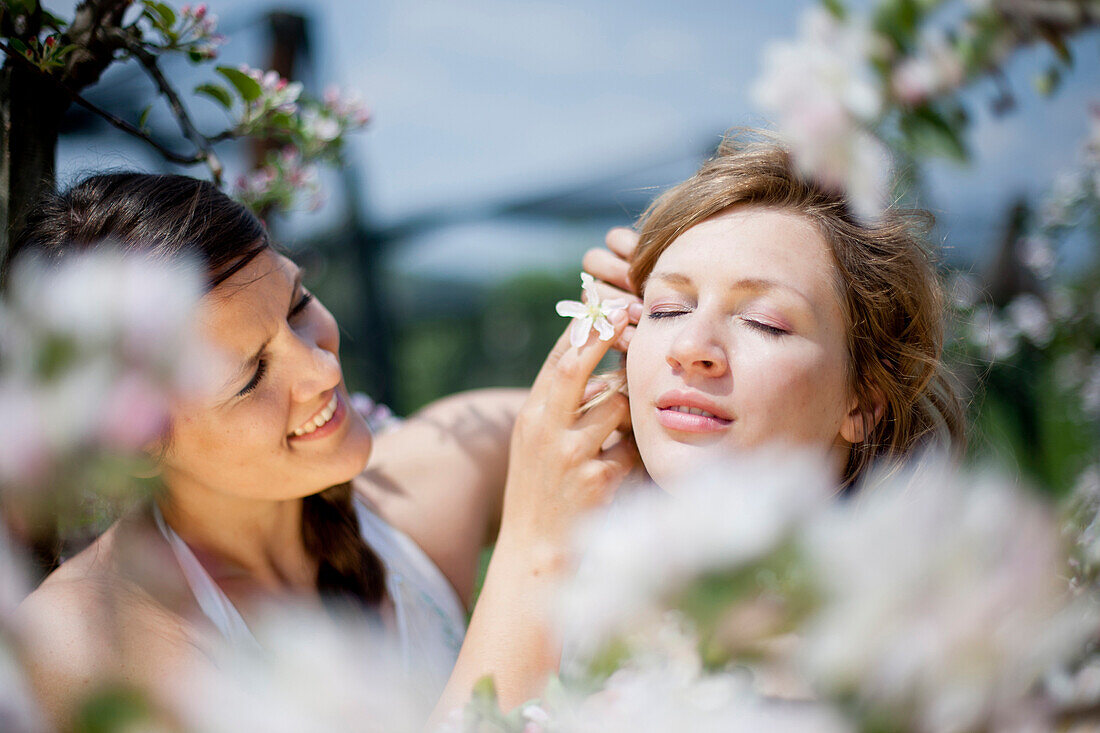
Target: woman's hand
(558, 465)
(558, 469)
(611, 266)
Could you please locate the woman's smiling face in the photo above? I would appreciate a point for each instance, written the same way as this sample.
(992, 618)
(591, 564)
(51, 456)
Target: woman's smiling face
(279, 425)
(743, 322)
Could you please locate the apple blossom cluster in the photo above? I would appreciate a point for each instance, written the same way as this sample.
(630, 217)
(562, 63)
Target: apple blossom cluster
(277, 96)
(280, 183)
(93, 349)
(192, 30)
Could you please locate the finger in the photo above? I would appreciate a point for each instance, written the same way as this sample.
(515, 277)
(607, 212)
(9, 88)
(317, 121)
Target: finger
(623, 342)
(610, 292)
(622, 241)
(603, 419)
(605, 265)
(593, 388)
(620, 459)
(563, 377)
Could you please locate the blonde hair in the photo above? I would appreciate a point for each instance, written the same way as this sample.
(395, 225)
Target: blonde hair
(892, 298)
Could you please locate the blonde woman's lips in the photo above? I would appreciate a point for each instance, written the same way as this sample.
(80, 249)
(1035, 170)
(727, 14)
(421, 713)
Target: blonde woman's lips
(691, 413)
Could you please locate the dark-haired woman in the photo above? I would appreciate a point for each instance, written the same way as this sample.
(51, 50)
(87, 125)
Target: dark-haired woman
(265, 493)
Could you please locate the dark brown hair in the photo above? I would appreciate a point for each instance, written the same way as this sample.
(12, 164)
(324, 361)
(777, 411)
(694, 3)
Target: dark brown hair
(168, 216)
(889, 289)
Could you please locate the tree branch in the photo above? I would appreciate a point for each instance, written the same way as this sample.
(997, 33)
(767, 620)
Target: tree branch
(187, 127)
(114, 120)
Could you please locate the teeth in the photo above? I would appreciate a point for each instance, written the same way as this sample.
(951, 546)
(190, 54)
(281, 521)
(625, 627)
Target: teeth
(322, 417)
(691, 410)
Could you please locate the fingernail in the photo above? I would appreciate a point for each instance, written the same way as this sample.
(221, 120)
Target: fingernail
(634, 310)
(618, 317)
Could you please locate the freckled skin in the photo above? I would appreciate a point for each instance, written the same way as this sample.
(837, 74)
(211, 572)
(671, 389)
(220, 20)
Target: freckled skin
(721, 287)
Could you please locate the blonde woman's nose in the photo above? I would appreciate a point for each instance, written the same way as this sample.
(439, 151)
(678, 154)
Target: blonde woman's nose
(695, 350)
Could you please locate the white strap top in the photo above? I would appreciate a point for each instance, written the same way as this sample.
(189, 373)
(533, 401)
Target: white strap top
(430, 618)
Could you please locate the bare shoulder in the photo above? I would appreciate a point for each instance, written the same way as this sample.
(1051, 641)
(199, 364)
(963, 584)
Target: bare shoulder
(439, 477)
(91, 620)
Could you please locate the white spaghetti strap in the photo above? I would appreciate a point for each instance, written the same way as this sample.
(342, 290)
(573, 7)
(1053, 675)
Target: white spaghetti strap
(211, 599)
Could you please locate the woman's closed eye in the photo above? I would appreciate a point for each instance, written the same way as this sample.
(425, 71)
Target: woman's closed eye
(261, 365)
(300, 306)
(765, 328)
(667, 312)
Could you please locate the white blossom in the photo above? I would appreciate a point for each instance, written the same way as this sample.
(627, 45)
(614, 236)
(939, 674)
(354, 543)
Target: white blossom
(1037, 255)
(105, 339)
(997, 339)
(1030, 317)
(825, 95)
(315, 674)
(932, 70)
(944, 598)
(651, 544)
(591, 314)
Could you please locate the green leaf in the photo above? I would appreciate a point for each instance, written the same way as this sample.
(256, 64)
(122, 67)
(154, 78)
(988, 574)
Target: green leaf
(53, 21)
(485, 689)
(18, 45)
(144, 117)
(167, 15)
(836, 8)
(246, 86)
(928, 131)
(216, 92)
(1048, 82)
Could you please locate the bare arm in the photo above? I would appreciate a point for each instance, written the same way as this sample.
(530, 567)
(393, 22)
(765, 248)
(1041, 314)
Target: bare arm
(439, 477)
(557, 471)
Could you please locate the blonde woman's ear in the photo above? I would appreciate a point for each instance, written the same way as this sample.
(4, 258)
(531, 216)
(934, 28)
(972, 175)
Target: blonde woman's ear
(863, 415)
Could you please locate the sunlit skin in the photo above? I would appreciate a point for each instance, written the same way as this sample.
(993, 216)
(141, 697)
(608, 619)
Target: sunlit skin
(742, 319)
(239, 441)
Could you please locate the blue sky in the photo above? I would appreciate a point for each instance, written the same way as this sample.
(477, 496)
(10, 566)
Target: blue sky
(490, 100)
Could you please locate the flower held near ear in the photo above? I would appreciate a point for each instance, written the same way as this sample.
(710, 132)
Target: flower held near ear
(589, 315)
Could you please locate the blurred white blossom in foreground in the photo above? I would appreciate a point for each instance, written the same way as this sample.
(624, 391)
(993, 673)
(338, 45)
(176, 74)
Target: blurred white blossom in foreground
(651, 544)
(825, 97)
(315, 673)
(944, 593)
(931, 599)
(92, 348)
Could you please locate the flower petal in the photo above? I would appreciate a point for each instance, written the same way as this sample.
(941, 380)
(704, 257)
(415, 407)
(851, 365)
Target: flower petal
(571, 309)
(592, 296)
(578, 332)
(604, 329)
(615, 304)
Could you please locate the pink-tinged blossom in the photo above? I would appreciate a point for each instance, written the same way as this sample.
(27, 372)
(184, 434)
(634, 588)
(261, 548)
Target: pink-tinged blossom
(134, 413)
(944, 598)
(935, 68)
(103, 339)
(824, 97)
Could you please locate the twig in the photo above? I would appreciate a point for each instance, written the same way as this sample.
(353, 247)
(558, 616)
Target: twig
(113, 119)
(149, 63)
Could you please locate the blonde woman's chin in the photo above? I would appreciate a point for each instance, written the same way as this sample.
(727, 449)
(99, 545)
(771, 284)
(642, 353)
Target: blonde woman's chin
(681, 471)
